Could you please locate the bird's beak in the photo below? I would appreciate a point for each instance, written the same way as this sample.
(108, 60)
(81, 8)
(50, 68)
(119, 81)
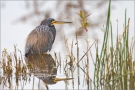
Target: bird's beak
(61, 79)
(59, 22)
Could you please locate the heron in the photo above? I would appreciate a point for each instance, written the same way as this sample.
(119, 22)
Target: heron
(41, 39)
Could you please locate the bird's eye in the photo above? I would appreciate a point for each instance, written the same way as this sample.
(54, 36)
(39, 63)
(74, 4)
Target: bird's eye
(53, 22)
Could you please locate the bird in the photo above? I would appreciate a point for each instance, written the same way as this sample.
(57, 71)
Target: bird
(41, 39)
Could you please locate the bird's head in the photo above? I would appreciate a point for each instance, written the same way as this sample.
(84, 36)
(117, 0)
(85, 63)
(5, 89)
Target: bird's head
(52, 22)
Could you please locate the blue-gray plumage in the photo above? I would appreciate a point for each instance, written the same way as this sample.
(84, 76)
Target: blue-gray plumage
(40, 40)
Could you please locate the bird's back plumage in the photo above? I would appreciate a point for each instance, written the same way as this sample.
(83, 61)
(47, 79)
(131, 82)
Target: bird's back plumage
(40, 40)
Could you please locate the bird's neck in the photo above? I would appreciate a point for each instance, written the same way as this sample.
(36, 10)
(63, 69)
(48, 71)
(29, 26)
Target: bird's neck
(53, 31)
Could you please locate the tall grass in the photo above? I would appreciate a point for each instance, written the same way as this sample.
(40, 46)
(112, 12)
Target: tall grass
(114, 68)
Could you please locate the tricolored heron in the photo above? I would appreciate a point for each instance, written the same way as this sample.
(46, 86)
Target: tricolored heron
(40, 40)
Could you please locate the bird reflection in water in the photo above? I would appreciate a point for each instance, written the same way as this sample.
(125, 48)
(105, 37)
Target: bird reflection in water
(43, 66)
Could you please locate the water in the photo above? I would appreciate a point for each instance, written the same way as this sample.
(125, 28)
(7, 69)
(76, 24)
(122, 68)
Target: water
(16, 33)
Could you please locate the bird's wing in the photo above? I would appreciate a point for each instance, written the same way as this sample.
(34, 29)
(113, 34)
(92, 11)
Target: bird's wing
(40, 40)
